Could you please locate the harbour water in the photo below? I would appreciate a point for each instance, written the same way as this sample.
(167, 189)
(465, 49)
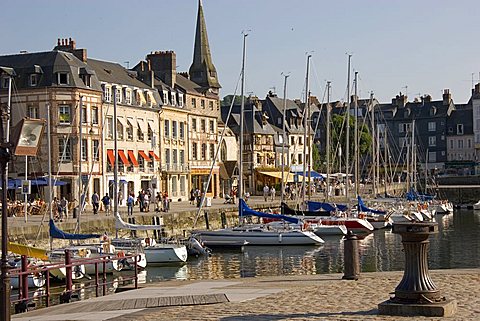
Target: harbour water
(457, 245)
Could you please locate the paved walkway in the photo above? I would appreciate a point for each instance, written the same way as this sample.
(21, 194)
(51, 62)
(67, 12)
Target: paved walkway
(314, 297)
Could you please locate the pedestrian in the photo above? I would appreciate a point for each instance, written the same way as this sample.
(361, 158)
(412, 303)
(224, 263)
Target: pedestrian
(146, 201)
(266, 192)
(166, 202)
(141, 200)
(106, 203)
(158, 202)
(64, 208)
(192, 196)
(95, 202)
(130, 201)
(272, 193)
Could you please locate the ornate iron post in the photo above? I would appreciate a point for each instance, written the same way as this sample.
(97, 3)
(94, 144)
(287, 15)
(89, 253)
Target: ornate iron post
(416, 294)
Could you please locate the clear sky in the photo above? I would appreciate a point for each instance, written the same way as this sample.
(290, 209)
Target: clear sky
(417, 46)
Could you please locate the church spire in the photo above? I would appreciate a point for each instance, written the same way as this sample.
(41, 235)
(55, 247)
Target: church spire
(202, 71)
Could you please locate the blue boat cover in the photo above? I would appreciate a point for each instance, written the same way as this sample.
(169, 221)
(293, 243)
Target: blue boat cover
(317, 206)
(244, 210)
(412, 195)
(363, 208)
(313, 174)
(56, 233)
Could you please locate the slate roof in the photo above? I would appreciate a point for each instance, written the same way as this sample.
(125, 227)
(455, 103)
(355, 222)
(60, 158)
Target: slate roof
(49, 62)
(115, 73)
(462, 115)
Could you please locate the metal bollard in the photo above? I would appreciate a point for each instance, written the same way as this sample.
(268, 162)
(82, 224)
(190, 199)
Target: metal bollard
(351, 259)
(207, 223)
(223, 217)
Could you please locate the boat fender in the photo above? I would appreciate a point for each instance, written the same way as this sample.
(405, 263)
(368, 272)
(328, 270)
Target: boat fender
(280, 237)
(121, 254)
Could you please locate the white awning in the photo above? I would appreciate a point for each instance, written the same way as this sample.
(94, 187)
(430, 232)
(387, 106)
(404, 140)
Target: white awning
(142, 125)
(151, 124)
(131, 121)
(122, 121)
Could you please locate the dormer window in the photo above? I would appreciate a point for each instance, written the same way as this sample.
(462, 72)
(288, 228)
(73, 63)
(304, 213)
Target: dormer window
(33, 80)
(165, 97)
(128, 96)
(86, 80)
(180, 100)
(62, 78)
(107, 93)
(433, 111)
(119, 95)
(459, 129)
(173, 100)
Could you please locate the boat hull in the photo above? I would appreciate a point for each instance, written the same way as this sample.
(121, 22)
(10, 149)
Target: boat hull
(258, 237)
(166, 253)
(34, 281)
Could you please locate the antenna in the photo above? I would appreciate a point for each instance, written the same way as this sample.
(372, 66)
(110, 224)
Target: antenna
(127, 63)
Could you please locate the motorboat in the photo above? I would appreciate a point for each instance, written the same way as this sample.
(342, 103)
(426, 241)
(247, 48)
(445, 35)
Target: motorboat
(162, 253)
(35, 279)
(443, 207)
(126, 248)
(59, 271)
(476, 206)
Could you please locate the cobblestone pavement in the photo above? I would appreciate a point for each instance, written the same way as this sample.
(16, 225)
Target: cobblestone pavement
(326, 297)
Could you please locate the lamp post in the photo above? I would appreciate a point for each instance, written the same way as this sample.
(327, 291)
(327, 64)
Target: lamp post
(23, 142)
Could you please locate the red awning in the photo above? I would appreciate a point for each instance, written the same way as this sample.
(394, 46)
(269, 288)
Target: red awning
(145, 156)
(131, 155)
(155, 156)
(123, 157)
(111, 156)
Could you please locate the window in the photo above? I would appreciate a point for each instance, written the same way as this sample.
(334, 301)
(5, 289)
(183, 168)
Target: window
(259, 158)
(469, 143)
(202, 103)
(62, 78)
(404, 128)
(180, 100)
(292, 140)
(210, 105)
(212, 126)
(86, 80)
(109, 127)
(451, 144)
(175, 157)
(460, 143)
(33, 112)
(5, 81)
(174, 186)
(64, 150)
(84, 115)
(182, 185)
(300, 141)
(182, 157)
(141, 162)
(64, 116)
(119, 130)
(402, 142)
(203, 128)
(459, 129)
(129, 130)
(33, 80)
(204, 151)
(174, 129)
(300, 158)
(128, 96)
(149, 134)
(173, 98)
(167, 128)
(432, 141)
(107, 93)
(432, 126)
(95, 151)
(194, 124)
(119, 95)
(167, 156)
(212, 151)
(432, 157)
(194, 102)
(165, 97)
(194, 151)
(95, 115)
(84, 149)
(140, 135)
(182, 131)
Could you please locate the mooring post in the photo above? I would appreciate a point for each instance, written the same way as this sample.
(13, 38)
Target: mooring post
(207, 223)
(223, 218)
(416, 294)
(67, 295)
(351, 259)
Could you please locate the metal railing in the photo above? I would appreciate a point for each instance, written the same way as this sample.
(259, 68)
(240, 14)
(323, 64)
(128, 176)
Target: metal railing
(23, 300)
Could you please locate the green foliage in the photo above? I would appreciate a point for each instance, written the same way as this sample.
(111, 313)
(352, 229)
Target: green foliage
(317, 161)
(227, 100)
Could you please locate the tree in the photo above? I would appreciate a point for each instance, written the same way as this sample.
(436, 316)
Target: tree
(227, 100)
(317, 159)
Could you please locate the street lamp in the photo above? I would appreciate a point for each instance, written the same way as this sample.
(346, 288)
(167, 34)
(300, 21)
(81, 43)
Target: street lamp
(25, 142)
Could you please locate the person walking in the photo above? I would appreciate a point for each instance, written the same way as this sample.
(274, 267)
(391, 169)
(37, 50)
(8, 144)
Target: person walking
(166, 202)
(130, 201)
(64, 208)
(95, 202)
(141, 200)
(106, 203)
(266, 192)
(272, 193)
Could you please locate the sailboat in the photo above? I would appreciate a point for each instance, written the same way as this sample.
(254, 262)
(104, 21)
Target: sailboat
(257, 234)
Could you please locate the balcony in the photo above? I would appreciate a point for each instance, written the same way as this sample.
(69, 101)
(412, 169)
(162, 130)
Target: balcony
(175, 168)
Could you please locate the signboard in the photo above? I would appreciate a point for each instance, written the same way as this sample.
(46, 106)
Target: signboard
(26, 136)
(26, 187)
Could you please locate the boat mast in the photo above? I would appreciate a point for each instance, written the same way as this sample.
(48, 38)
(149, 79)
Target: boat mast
(327, 145)
(242, 110)
(306, 111)
(347, 152)
(386, 158)
(282, 189)
(80, 185)
(414, 162)
(49, 146)
(374, 146)
(114, 198)
(356, 145)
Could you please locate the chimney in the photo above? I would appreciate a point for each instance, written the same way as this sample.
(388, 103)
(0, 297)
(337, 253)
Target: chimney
(400, 100)
(447, 97)
(164, 63)
(477, 89)
(70, 45)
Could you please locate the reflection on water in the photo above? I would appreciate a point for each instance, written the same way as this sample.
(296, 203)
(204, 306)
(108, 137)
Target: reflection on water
(457, 245)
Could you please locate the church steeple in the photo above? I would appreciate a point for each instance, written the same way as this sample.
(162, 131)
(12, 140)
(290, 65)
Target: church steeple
(202, 71)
